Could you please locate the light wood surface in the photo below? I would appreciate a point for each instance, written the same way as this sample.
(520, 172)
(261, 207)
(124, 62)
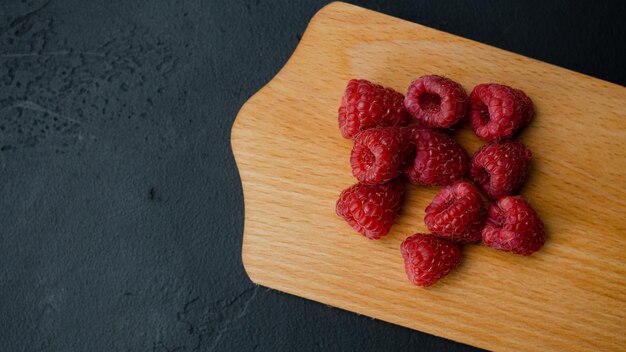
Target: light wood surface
(293, 164)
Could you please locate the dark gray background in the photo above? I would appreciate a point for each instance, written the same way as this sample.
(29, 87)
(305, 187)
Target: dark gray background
(121, 207)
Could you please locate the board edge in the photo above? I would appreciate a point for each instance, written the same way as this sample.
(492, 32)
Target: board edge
(241, 115)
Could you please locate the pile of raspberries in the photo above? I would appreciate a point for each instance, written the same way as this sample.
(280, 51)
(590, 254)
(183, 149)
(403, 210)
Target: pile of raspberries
(397, 137)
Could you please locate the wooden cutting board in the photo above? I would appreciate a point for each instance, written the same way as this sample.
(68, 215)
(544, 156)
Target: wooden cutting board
(293, 164)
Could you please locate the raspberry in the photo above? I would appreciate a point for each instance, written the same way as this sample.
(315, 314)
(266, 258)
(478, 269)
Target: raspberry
(436, 101)
(439, 160)
(371, 210)
(457, 213)
(513, 226)
(379, 154)
(497, 111)
(500, 168)
(366, 105)
(428, 258)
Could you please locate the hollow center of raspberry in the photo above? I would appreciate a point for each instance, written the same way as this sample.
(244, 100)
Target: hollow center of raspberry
(483, 176)
(367, 158)
(430, 102)
(484, 114)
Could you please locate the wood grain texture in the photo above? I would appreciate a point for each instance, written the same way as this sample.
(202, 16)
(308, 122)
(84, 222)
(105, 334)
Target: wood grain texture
(293, 164)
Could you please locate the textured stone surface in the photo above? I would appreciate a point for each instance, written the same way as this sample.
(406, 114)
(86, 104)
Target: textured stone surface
(121, 209)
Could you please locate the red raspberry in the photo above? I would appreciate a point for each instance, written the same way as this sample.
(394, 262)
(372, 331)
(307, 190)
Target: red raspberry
(436, 101)
(379, 154)
(513, 226)
(457, 213)
(439, 160)
(428, 258)
(366, 105)
(500, 168)
(371, 210)
(497, 111)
